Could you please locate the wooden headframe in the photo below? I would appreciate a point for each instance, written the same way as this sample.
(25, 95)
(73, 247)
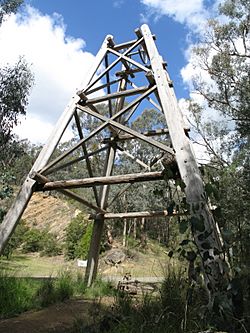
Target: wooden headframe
(124, 77)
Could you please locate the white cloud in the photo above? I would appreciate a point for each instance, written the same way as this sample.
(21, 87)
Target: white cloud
(191, 12)
(57, 61)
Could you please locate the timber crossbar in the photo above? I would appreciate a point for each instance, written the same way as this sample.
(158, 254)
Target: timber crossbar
(132, 215)
(94, 181)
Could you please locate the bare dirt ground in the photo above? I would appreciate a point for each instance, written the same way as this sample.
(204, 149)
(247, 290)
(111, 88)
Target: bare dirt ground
(57, 318)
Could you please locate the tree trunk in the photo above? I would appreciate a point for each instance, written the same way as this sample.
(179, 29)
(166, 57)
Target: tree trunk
(143, 233)
(134, 228)
(124, 239)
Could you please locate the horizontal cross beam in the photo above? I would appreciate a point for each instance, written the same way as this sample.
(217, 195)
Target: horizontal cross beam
(123, 137)
(43, 180)
(129, 92)
(95, 181)
(147, 214)
(128, 130)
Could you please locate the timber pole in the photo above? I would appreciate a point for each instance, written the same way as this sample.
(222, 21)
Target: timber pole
(15, 212)
(203, 225)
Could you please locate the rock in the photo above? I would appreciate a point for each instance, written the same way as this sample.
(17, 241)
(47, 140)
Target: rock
(115, 257)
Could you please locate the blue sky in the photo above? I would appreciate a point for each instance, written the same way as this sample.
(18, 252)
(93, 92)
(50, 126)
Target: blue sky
(59, 38)
(93, 20)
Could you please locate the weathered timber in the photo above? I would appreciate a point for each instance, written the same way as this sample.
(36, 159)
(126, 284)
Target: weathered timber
(124, 137)
(41, 179)
(128, 72)
(125, 93)
(98, 181)
(15, 212)
(128, 130)
(130, 60)
(85, 152)
(216, 279)
(125, 64)
(135, 159)
(95, 242)
(148, 214)
(98, 129)
(125, 45)
(115, 62)
(151, 101)
(76, 160)
(108, 86)
(102, 86)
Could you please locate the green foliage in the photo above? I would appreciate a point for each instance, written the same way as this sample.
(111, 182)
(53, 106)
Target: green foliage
(16, 295)
(173, 310)
(82, 247)
(46, 294)
(33, 241)
(55, 290)
(99, 289)
(50, 245)
(15, 83)
(78, 234)
(16, 239)
(64, 286)
(7, 7)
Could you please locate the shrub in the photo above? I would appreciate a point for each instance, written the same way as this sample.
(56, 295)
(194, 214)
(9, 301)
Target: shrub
(82, 247)
(75, 234)
(50, 246)
(16, 239)
(33, 241)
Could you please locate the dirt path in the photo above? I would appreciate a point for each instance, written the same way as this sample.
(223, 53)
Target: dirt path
(56, 318)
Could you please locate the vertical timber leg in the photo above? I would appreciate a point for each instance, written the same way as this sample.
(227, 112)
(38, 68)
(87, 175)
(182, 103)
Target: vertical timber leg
(15, 212)
(94, 250)
(203, 225)
(11, 219)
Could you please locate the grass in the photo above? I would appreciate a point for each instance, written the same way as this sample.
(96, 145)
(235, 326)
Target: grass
(32, 265)
(19, 294)
(16, 294)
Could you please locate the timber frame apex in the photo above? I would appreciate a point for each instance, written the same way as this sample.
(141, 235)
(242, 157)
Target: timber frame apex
(126, 82)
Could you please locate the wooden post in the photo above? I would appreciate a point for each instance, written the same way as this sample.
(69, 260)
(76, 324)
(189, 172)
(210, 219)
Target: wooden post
(15, 212)
(202, 223)
(94, 249)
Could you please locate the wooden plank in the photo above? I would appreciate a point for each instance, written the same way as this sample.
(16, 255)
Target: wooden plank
(135, 159)
(128, 130)
(125, 93)
(130, 60)
(128, 72)
(151, 101)
(96, 181)
(88, 163)
(102, 86)
(124, 137)
(125, 45)
(94, 250)
(41, 179)
(108, 86)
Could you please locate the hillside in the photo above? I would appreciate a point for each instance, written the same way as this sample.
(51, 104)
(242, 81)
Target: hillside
(49, 212)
